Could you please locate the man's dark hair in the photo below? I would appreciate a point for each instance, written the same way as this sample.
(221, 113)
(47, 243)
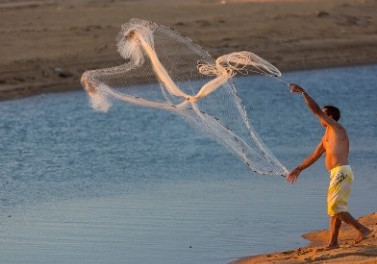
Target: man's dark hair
(333, 111)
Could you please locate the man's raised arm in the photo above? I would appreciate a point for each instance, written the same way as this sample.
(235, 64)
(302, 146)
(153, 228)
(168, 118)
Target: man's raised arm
(313, 106)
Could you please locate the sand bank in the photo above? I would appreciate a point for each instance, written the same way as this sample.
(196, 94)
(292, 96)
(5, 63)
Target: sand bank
(365, 252)
(47, 44)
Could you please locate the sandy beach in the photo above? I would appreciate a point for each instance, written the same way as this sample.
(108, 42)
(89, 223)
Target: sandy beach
(47, 44)
(365, 252)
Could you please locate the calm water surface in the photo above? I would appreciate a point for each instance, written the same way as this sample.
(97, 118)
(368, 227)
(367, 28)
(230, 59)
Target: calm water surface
(138, 185)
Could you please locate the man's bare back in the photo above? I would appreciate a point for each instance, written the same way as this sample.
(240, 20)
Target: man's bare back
(336, 145)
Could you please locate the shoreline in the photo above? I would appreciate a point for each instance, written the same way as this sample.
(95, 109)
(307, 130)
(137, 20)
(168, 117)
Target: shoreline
(364, 252)
(48, 44)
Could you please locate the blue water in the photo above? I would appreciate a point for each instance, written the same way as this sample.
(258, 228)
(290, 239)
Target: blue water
(139, 185)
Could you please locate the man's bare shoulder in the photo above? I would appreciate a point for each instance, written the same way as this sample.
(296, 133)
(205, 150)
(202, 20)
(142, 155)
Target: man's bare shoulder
(337, 132)
(338, 127)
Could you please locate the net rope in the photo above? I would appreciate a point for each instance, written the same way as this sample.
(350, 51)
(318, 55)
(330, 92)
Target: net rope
(166, 70)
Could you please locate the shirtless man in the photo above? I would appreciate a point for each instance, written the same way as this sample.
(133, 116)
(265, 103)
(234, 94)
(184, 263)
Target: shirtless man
(335, 144)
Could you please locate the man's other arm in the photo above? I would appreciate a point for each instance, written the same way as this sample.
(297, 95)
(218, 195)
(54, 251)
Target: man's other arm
(313, 157)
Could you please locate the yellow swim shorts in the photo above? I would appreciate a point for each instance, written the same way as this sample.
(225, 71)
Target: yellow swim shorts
(341, 178)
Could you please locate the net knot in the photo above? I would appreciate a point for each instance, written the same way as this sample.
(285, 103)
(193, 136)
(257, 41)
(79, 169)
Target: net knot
(208, 69)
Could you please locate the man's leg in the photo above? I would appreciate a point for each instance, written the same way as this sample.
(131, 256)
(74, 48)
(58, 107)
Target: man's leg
(335, 223)
(349, 219)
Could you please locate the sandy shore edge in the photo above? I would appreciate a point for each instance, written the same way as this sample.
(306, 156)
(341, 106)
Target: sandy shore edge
(348, 253)
(48, 44)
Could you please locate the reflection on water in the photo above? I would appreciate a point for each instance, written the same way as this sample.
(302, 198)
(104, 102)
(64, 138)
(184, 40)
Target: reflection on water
(141, 185)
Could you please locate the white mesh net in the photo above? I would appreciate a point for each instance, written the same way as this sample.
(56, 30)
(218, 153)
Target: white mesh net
(155, 75)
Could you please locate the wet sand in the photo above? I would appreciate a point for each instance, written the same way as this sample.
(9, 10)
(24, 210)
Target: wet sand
(364, 252)
(47, 44)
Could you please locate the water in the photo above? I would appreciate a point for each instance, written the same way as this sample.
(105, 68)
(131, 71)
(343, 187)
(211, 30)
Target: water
(138, 185)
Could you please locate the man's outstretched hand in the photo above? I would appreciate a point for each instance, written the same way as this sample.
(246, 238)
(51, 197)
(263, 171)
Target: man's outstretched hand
(293, 176)
(296, 88)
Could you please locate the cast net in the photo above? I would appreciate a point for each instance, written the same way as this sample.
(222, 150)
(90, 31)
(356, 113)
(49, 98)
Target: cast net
(166, 70)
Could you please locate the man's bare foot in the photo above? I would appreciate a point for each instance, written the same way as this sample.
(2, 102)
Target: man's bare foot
(332, 246)
(362, 235)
